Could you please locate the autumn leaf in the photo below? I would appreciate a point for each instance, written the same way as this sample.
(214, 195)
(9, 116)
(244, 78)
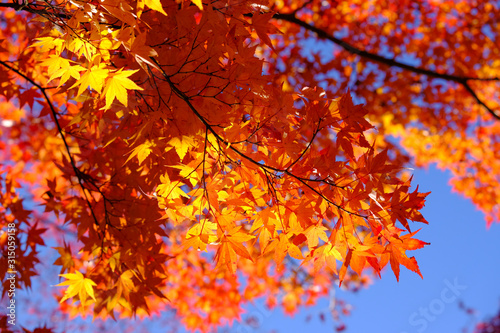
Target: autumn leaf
(170, 189)
(153, 4)
(246, 161)
(314, 233)
(201, 235)
(226, 256)
(198, 3)
(93, 78)
(117, 86)
(345, 265)
(49, 42)
(236, 237)
(60, 67)
(397, 251)
(181, 145)
(326, 254)
(141, 151)
(65, 258)
(77, 285)
(261, 24)
(143, 53)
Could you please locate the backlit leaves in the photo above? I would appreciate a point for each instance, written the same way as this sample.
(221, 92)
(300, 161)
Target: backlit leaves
(77, 285)
(184, 150)
(117, 85)
(93, 78)
(198, 3)
(153, 4)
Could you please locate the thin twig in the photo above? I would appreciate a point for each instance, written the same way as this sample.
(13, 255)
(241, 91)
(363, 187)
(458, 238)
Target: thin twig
(462, 80)
(60, 130)
(263, 166)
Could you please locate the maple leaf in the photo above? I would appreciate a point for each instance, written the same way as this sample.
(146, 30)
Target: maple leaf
(30, 96)
(34, 236)
(65, 73)
(226, 256)
(48, 42)
(116, 86)
(188, 172)
(236, 237)
(122, 11)
(345, 265)
(181, 145)
(54, 63)
(141, 151)
(93, 78)
(397, 251)
(326, 254)
(231, 245)
(78, 285)
(260, 22)
(65, 258)
(314, 233)
(153, 4)
(200, 235)
(169, 189)
(142, 52)
(198, 3)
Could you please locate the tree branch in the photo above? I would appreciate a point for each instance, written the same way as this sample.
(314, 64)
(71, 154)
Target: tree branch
(60, 130)
(264, 167)
(42, 9)
(462, 80)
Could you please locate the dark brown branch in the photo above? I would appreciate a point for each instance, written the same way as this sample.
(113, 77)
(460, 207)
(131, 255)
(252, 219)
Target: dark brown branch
(307, 147)
(56, 15)
(78, 173)
(37, 9)
(263, 166)
(462, 80)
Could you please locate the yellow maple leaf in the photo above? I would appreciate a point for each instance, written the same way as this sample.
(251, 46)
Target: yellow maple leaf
(93, 78)
(181, 145)
(198, 3)
(142, 151)
(314, 233)
(78, 285)
(330, 250)
(54, 63)
(49, 43)
(60, 67)
(116, 86)
(66, 72)
(200, 235)
(187, 172)
(169, 189)
(153, 4)
(81, 46)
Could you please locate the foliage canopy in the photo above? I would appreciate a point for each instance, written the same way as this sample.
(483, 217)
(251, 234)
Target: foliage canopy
(195, 155)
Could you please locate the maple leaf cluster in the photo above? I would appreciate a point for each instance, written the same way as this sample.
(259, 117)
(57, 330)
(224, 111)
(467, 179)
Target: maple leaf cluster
(184, 150)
